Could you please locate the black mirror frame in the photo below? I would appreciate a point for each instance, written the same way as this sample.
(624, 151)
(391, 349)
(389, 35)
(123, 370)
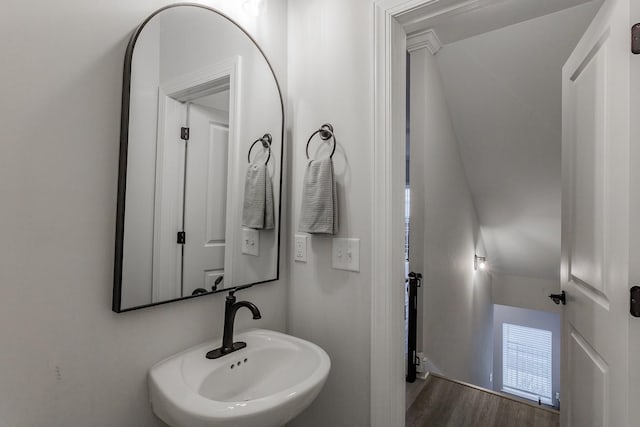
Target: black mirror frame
(122, 164)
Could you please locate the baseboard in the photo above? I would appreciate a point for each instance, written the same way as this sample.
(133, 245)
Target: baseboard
(497, 393)
(422, 375)
(429, 366)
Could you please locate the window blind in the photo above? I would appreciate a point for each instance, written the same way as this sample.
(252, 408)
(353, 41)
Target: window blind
(527, 362)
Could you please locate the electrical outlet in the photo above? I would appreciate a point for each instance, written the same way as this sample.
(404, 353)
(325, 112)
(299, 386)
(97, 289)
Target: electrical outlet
(346, 254)
(250, 242)
(300, 248)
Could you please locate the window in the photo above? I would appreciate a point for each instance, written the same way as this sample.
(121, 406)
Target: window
(526, 362)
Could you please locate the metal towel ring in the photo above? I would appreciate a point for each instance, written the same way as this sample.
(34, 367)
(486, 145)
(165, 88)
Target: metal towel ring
(266, 143)
(326, 132)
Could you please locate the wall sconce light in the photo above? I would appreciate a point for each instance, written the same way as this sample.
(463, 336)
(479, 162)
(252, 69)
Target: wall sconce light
(480, 262)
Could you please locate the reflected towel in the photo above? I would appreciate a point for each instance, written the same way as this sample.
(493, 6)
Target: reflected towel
(319, 213)
(257, 208)
(269, 219)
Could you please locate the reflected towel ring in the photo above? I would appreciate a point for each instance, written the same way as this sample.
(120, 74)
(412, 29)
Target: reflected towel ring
(266, 143)
(326, 133)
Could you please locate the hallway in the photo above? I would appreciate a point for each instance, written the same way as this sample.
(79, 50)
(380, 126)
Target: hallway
(443, 403)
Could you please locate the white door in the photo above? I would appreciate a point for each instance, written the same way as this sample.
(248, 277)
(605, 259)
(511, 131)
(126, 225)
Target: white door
(205, 189)
(595, 223)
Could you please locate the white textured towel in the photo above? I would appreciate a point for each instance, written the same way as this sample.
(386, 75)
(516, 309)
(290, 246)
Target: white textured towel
(257, 208)
(319, 213)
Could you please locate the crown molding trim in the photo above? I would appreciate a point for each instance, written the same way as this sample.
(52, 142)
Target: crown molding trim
(424, 39)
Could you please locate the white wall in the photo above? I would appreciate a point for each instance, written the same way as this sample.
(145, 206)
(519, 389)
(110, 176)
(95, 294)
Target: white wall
(504, 91)
(456, 300)
(330, 80)
(66, 359)
(525, 292)
(532, 319)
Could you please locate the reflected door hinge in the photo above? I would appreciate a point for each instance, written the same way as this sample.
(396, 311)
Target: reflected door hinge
(182, 237)
(184, 134)
(634, 301)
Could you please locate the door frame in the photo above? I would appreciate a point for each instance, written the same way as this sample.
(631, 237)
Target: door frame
(388, 173)
(387, 393)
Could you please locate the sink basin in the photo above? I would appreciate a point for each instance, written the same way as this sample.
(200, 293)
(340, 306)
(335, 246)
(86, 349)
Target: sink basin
(266, 384)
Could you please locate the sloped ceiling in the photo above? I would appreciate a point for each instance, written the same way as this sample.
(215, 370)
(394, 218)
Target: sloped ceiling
(455, 20)
(504, 93)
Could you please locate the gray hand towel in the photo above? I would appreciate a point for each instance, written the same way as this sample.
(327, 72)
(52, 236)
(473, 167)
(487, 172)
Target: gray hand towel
(255, 193)
(269, 218)
(257, 208)
(319, 213)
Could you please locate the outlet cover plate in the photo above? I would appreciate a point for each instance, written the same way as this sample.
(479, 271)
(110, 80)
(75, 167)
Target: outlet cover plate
(346, 254)
(250, 242)
(300, 248)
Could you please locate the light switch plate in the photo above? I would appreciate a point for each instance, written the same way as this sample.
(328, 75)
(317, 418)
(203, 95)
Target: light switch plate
(300, 248)
(346, 254)
(250, 242)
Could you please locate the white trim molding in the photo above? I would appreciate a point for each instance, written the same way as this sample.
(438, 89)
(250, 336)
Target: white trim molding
(388, 172)
(388, 168)
(424, 39)
(432, 10)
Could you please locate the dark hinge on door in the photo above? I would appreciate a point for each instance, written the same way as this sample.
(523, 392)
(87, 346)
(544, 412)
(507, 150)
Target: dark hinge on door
(634, 301)
(184, 133)
(182, 237)
(635, 39)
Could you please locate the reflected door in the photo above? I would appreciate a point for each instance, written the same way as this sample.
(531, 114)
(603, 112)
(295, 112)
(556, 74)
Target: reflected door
(205, 186)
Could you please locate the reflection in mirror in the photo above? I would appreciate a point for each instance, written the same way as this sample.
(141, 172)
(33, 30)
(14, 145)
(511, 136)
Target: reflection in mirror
(198, 92)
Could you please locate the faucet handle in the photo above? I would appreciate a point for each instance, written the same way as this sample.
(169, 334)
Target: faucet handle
(232, 291)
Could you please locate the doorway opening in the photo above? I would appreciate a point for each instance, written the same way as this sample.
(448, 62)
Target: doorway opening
(484, 165)
(598, 199)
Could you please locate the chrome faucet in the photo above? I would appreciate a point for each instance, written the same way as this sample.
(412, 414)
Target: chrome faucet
(230, 309)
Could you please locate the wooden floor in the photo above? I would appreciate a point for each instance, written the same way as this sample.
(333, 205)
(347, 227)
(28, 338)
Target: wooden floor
(446, 403)
(413, 390)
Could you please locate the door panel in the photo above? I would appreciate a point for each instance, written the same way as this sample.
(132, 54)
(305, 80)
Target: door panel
(589, 376)
(588, 196)
(595, 227)
(216, 184)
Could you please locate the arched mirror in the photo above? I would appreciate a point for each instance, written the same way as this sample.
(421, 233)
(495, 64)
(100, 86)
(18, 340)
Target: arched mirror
(200, 160)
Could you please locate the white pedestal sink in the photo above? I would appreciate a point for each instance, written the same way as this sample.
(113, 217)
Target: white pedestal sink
(265, 384)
